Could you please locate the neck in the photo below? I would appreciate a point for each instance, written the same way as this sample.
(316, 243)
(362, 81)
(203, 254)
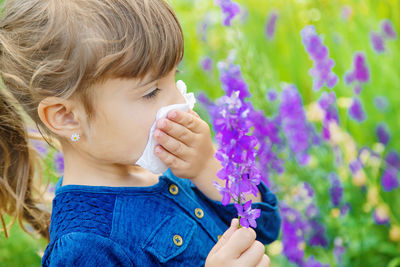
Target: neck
(80, 169)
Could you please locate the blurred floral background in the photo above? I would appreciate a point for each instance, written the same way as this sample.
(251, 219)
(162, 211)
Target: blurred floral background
(321, 79)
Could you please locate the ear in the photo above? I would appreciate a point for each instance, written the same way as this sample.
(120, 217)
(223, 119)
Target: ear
(60, 115)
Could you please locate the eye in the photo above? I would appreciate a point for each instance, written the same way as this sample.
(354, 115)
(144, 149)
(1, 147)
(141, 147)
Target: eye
(152, 94)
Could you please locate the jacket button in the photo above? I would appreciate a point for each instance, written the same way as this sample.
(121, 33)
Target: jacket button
(199, 213)
(173, 189)
(177, 240)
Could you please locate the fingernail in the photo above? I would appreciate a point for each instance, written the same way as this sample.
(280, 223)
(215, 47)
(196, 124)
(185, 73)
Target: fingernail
(233, 222)
(163, 123)
(158, 150)
(157, 133)
(173, 115)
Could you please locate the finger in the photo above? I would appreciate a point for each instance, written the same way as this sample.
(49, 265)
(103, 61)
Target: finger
(253, 255)
(265, 262)
(186, 119)
(240, 241)
(172, 145)
(191, 111)
(176, 131)
(226, 236)
(169, 159)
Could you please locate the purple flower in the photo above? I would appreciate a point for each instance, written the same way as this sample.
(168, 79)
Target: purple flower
(336, 189)
(356, 110)
(247, 215)
(318, 235)
(224, 191)
(360, 72)
(381, 216)
(345, 209)
(388, 29)
(271, 24)
(272, 95)
(382, 133)
(232, 120)
(312, 262)
(378, 44)
(322, 70)
(338, 250)
(229, 9)
(311, 210)
(266, 131)
(293, 229)
(327, 102)
(59, 162)
(206, 64)
(393, 160)
(355, 166)
(389, 180)
(308, 189)
(294, 123)
(231, 78)
(381, 103)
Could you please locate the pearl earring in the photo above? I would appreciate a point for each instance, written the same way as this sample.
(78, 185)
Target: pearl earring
(75, 137)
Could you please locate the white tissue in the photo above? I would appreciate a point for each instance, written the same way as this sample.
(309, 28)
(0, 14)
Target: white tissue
(149, 160)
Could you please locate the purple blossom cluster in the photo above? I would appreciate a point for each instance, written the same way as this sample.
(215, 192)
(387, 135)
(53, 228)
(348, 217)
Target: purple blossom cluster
(356, 110)
(271, 24)
(294, 230)
(206, 64)
(388, 30)
(336, 189)
(378, 39)
(360, 72)
(237, 155)
(294, 123)
(327, 102)
(380, 216)
(59, 162)
(382, 133)
(233, 118)
(322, 70)
(229, 9)
(266, 131)
(358, 75)
(389, 179)
(231, 78)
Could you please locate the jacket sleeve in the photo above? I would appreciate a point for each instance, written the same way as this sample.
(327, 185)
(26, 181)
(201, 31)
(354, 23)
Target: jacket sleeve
(269, 222)
(85, 249)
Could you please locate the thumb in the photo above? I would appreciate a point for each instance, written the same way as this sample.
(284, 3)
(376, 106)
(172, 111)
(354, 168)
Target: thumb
(226, 236)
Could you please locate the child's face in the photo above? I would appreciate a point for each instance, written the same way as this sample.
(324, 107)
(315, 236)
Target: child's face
(124, 116)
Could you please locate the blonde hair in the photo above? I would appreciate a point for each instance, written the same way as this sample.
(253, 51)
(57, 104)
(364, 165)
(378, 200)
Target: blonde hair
(62, 48)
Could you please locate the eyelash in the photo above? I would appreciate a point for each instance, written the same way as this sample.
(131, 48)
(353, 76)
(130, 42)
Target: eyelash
(155, 92)
(152, 94)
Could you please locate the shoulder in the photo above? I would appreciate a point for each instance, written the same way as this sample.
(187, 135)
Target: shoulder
(85, 249)
(82, 212)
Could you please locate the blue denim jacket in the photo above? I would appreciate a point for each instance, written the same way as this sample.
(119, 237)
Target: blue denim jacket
(171, 223)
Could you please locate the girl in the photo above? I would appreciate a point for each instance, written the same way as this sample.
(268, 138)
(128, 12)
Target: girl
(92, 74)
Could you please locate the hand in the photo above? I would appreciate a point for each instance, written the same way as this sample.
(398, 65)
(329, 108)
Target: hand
(185, 143)
(237, 247)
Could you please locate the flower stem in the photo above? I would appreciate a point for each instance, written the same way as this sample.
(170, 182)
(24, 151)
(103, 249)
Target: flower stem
(239, 226)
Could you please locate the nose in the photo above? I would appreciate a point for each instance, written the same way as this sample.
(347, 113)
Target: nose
(177, 97)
